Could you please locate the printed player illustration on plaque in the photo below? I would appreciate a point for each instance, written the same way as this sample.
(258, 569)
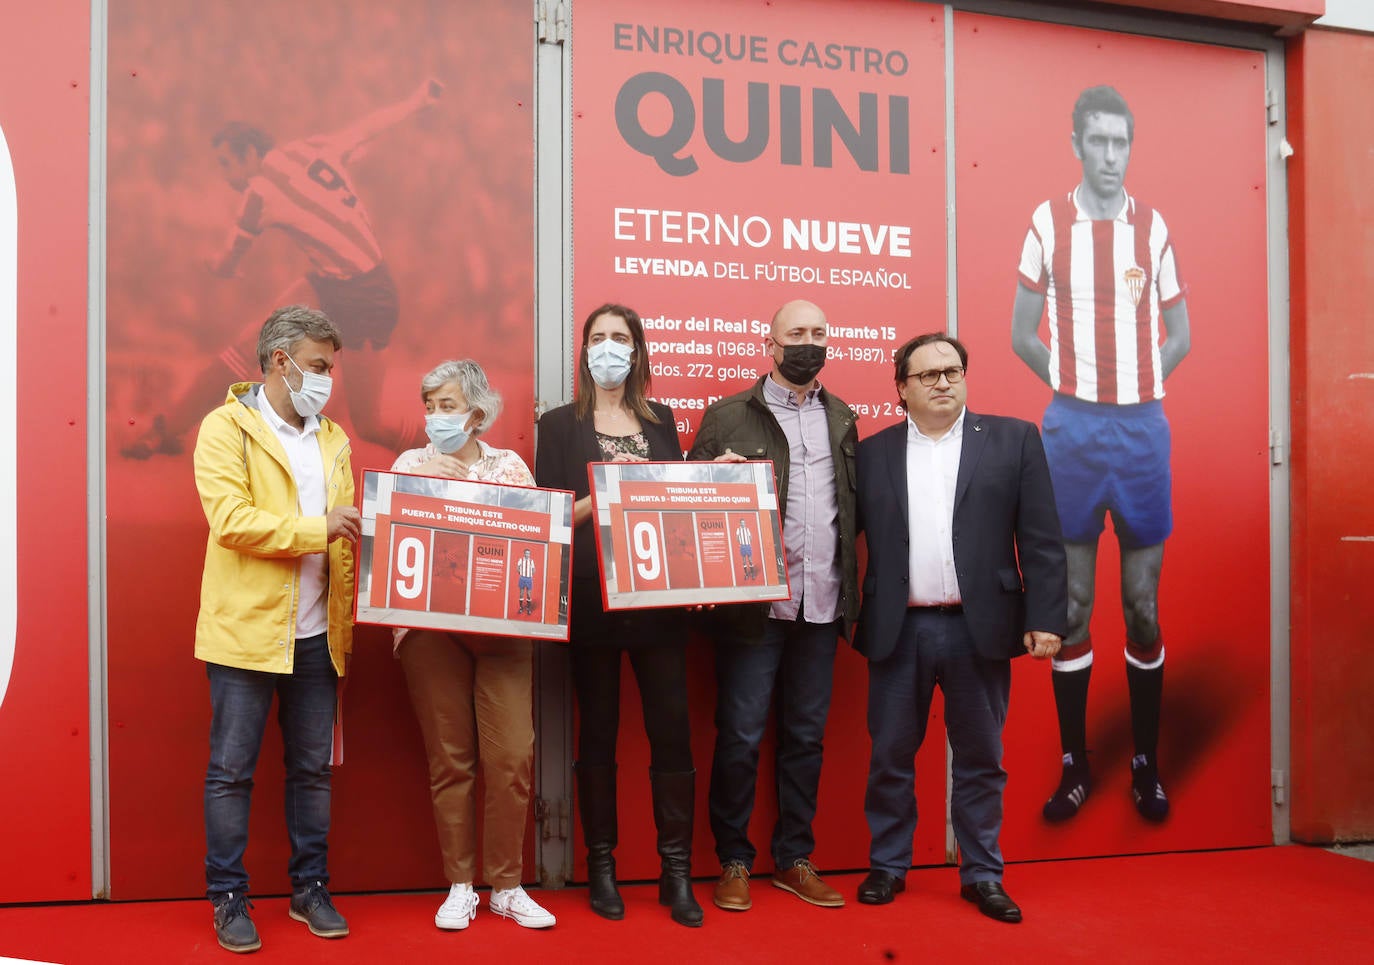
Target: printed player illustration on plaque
(454, 554)
(680, 534)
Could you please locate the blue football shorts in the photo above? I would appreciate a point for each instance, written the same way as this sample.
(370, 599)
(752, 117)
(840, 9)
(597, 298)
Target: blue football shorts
(1110, 459)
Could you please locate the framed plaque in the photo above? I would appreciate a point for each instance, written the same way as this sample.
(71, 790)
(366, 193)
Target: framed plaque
(457, 554)
(687, 533)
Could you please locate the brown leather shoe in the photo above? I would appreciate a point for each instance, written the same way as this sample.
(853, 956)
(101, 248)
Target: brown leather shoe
(803, 881)
(732, 890)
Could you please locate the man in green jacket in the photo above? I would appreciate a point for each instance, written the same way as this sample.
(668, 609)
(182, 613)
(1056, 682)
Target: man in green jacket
(810, 436)
(275, 610)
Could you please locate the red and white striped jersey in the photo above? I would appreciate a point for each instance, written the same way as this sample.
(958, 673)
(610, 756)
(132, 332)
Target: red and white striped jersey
(302, 189)
(1105, 283)
(525, 566)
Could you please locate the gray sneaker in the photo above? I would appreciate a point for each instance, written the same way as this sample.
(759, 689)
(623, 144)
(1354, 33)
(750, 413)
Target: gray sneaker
(233, 927)
(313, 906)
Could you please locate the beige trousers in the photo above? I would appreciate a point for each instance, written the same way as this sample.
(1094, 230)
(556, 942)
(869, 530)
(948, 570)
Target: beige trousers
(472, 697)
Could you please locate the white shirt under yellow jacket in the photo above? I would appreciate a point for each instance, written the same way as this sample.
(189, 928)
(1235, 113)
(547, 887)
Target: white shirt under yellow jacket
(251, 588)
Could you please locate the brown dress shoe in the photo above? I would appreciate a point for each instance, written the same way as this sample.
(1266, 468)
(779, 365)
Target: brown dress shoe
(803, 881)
(732, 890)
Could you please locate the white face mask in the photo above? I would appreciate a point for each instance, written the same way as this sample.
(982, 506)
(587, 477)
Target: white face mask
(609, 363)
(314, 391)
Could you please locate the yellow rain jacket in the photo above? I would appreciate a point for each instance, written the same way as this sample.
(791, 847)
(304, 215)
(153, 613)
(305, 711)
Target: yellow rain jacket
(251, 585)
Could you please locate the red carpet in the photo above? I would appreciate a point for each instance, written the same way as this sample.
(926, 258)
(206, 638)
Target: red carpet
(1262, 905)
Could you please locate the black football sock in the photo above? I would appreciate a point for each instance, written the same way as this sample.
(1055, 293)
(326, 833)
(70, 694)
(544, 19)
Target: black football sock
(1147, 690)
(1071, 704)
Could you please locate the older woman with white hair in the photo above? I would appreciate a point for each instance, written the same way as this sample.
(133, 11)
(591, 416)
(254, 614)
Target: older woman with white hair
(471, 692)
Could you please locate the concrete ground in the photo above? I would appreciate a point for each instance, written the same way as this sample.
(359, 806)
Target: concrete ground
(1365, 852)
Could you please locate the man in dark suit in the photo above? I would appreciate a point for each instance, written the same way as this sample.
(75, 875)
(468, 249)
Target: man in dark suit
(965, 570)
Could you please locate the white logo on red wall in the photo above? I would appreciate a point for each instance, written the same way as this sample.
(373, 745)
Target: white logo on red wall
(9, 327)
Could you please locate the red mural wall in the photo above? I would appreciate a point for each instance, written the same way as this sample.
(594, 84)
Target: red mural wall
(1332, 372)
(422, 113)
(1015, 87)
(850, 185)
(729, 158)
(669, 133)
(44, 713)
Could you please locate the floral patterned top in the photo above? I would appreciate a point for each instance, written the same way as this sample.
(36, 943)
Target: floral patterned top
(633, 445)
(495, 465)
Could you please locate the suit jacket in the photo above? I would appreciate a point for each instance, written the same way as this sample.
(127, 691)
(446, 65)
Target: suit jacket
(1008, 550)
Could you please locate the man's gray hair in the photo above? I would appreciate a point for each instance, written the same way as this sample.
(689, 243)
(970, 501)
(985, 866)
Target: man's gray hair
(472, 382)
(287, 326)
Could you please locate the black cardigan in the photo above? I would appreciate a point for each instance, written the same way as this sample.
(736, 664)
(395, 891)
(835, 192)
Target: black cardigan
(567, 444)
(564, 448)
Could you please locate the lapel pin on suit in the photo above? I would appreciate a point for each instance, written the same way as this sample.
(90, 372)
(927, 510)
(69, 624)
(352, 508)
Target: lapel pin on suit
(978, 428)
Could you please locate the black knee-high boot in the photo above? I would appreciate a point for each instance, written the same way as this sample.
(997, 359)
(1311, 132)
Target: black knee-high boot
(596, 805)
(674, 805)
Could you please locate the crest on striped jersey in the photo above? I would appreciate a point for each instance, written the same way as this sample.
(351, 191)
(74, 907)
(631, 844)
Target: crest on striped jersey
(1135, 283)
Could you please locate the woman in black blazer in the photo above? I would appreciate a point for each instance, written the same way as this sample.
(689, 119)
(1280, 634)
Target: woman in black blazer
(613, 420)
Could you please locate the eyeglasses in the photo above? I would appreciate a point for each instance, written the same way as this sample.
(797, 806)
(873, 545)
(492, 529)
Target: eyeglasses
(953, 374)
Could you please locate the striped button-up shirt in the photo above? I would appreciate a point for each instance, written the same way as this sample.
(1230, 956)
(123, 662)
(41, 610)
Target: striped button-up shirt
(811, 529)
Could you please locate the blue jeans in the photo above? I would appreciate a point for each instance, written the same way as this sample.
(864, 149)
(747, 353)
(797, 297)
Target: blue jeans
(797, 660)
(239, 703)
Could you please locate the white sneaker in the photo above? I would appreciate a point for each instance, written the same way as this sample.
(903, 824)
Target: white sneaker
(458, 909)
(514, 903)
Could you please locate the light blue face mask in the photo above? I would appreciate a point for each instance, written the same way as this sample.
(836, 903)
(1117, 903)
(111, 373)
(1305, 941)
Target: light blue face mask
(609, 363)
(446, 430)
(313, 393)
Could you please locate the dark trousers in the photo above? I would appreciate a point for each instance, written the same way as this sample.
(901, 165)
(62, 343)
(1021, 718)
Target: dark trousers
(797, 660)
(239, 704)
(936, 649)
(661, 673)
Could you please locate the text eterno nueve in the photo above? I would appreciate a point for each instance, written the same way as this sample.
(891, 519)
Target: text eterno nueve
(768, 117)
(718, 47)
(755, 231)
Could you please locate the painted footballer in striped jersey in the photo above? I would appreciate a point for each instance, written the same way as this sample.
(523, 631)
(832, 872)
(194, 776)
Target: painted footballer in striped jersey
(303, 189)
(1105, 283)
(1099, 266)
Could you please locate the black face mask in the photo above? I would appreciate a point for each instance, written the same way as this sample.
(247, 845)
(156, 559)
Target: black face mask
(801, 363)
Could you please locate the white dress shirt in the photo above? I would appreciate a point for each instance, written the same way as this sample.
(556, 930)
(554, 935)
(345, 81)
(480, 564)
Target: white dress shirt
(932, 469)
(307, 467)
